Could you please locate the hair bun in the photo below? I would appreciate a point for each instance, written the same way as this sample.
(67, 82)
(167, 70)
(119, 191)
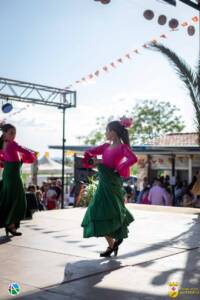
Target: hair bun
(126, 122)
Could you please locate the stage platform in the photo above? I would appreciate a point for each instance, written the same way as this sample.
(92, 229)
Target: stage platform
(51, 260)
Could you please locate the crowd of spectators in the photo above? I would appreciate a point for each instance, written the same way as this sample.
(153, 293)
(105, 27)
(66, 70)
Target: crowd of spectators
(45, 197)
(162, 192)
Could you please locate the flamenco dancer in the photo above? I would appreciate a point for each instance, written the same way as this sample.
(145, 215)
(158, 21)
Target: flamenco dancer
(12, 195)
(107, 215)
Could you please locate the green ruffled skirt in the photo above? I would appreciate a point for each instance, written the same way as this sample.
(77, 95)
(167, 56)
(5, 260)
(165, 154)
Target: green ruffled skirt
(12, 195)
(106, 214)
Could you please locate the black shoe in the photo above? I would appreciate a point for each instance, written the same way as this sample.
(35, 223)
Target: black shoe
(13, 232)
(107, 253)
(118, 242)
(116, 246)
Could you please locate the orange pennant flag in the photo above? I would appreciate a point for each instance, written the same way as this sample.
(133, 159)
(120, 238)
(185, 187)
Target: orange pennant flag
(128, 56)
(184, 24)
(195, 19)
(105, 68)
(97, 73)
(163, 36)
(68, 87)
(113, 65)
(136, 51)
(120, 60)
(154, 41)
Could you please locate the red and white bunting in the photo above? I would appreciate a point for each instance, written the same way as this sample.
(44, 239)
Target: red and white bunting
(120, 60)
(154, 41)
(184, 24)
(113, 65)
(190, 29)
(105, 68)
(128, 55)
(195, 19)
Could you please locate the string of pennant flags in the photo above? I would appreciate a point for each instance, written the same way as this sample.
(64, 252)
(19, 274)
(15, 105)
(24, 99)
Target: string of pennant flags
(90, 78)
(157, 160)
(173, 23)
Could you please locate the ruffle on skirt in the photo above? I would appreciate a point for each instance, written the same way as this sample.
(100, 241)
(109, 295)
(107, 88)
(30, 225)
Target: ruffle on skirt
(106, 213)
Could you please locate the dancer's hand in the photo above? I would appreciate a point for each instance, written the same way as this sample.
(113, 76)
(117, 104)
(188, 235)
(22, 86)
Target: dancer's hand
(97, 161)
(115, 171)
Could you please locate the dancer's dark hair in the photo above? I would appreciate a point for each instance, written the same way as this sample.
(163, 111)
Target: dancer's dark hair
(120, 130)
(4, 128)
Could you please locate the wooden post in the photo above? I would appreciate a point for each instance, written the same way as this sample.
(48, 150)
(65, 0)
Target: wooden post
(173, 175)
(189, 169)
(34, 171)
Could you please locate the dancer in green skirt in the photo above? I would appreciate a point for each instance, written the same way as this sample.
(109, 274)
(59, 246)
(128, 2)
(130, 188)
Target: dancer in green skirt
(107, 215)
(12, 195)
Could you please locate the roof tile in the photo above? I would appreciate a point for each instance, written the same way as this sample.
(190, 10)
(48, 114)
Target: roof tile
(176, 139)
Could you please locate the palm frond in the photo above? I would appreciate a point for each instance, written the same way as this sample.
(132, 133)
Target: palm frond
(182, 68)
(190, 78)
(198, 79)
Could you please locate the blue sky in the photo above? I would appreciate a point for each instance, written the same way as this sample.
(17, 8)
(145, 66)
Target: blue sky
(57, 42)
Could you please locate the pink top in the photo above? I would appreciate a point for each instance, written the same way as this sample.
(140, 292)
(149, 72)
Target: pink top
(145, 199)
(158, 196)
(119, 158)
(15, 153)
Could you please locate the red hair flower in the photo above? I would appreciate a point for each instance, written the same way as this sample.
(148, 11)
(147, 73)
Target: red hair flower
(126, 122)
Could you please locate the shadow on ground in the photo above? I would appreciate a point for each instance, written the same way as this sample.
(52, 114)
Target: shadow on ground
(76, 285)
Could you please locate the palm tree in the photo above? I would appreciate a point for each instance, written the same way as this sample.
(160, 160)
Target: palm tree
(190, 78)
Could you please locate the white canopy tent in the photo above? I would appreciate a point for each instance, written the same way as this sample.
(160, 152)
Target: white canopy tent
(47, 166)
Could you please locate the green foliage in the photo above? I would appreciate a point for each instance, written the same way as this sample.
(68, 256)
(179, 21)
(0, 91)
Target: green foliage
(89, 192)
(97, 135)
(152, 119)
(134, 170)
(69, 161)
(25, 177)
